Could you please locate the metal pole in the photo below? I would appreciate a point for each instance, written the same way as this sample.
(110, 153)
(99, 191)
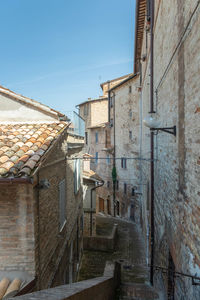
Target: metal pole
(152, 207)
(152, 139)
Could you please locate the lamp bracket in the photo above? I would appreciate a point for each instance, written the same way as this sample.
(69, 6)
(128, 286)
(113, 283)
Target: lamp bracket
(170, 130)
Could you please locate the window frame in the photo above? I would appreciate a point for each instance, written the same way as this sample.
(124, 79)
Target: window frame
(96, 137)
(62, 204)
(96, 157)
(77, 175)
(123, 163)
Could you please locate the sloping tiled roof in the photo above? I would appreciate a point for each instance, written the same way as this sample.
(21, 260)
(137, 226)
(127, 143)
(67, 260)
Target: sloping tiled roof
(23, 145)
(31, 103)
(91, 175)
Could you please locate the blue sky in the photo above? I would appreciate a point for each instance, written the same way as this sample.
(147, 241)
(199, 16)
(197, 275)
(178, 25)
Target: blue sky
(59, 51)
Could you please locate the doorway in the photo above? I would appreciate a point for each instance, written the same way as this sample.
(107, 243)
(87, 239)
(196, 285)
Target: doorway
(101, 204)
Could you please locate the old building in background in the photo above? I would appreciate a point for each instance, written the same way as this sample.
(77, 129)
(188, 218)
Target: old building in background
(41, 194)
(124, 122)
(98, 143)
(91, 182)
(167, 56)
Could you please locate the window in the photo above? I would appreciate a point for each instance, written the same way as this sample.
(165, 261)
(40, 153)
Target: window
(117, 185)
(108, 159)
(62, 204)
(133, 192)
(108, 184)
(125, 188)
(148, 10)
(77, 177)
(111, 122)
(85, 109)
(130, 114)
(130, 135)
(111, 101)
(96, 137)
(130, 89)
(123, 163)
(86, 137)
(96, 158)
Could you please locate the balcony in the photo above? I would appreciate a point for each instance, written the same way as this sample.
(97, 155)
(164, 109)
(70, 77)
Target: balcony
(77, 126)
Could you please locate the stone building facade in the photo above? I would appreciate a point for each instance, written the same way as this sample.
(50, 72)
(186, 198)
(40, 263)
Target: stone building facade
(124, 120)
(95, 112)
(176, 163)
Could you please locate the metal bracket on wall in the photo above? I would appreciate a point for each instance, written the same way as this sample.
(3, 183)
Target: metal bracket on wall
(171, 130)
(195, 279)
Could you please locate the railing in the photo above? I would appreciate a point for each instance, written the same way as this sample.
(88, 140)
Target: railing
(77, 126)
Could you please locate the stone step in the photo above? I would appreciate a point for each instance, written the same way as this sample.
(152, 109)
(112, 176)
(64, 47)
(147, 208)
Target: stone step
(137, 291)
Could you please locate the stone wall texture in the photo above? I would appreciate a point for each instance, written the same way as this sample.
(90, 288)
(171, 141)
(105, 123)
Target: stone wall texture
(125, 113)
(177, 161)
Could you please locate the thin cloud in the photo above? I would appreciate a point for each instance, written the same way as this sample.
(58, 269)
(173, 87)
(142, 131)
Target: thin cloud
(75, 71)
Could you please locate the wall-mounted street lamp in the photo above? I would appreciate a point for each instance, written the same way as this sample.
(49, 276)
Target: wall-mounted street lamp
(154, 125)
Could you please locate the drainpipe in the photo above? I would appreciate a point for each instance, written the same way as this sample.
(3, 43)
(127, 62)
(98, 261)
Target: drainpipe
(99, 184)
(114, 155)
(38, 228)
(152, 139)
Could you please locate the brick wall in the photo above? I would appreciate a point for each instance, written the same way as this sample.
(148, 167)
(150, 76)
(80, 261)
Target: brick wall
(17, 228)
(52, 243)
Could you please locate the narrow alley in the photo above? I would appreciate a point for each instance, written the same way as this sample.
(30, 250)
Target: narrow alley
(129, 251)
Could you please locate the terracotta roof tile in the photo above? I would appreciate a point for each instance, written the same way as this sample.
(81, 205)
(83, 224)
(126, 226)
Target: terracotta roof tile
(20, 152)
(3, 159)
(15, 148)
(7, 165)
(23, 145)
(36, 157)
(14, 158)
(4, 148)
(24, 158)
(9, 153)
(30, 152)
(3, 171)
(40, 152)
(26, 171)
(30, 164)
(25, 148)
(28, 144)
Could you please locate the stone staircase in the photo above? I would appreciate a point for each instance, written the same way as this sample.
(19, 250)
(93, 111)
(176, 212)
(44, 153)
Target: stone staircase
(137, 291)
(129, 252)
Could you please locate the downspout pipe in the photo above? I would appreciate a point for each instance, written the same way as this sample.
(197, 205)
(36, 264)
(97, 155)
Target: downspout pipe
(152, 59)
(152, 140)
(99, 184)
(114, 155)
(38, 229)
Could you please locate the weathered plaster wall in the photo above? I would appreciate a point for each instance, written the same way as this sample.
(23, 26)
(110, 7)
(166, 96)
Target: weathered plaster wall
(99, 112)
(13, 111)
